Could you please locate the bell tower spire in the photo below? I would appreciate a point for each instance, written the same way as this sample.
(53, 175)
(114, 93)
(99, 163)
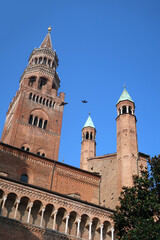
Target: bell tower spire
(47, 43)
(34, 117)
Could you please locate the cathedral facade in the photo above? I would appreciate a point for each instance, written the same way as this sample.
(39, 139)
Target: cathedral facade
(42, 198)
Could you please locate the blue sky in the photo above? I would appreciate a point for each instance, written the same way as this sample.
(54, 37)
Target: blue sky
(101, 44)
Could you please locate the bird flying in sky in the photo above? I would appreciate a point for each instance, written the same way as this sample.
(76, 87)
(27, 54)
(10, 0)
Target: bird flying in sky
(84, 101)
(63, 103)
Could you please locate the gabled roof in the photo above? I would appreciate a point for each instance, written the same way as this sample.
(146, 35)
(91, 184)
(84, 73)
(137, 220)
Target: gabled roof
(47, 43)
(89, 123)
(125, 96)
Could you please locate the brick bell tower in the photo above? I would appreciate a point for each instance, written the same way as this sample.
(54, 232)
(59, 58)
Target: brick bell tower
(127, 147)
(88, 144)
(34, 118)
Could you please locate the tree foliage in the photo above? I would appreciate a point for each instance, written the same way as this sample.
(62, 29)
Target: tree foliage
(138, 215)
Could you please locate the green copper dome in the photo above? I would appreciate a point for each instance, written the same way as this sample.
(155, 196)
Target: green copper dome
(125, 96)
(89, 123)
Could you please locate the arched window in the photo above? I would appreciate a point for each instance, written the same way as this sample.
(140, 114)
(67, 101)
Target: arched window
(45, 124)
(53, 104)
(91, 135)
(40, 100)
(50, 104)
(30, 96)
(124, 110)
(31, 81)
(30, 119)
(43, 154)
(129, 109)
(49, 62)
(27, 149)
(40, 60)
(87, 135)
(35, 60)
(47, 103)
(23, 148)
(44, 60)
(35, 121)
(40, 122)
(42, 81)
(24, 178)
(38, 153)
(37, 98)
(34, 96)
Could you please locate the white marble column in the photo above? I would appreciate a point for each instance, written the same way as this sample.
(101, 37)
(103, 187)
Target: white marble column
(127, 109)
(121, 110)
(101, 232)
(54, 219)
(29, 211)
(78, 226)
(112, 233)
(3, 203)
(66, 228)
(90, 230)
(17, 203)
(43, 209)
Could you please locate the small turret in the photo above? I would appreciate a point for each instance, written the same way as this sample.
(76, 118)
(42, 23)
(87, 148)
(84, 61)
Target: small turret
(88, 145)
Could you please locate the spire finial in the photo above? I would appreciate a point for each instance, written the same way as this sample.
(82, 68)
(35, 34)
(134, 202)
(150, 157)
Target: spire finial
(124, 85)
(49, 29)
(89, 113)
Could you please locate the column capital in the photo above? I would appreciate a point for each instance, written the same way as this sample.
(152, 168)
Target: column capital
(18, 200)
(5, 197)
(90, 223)
(102, 225)
(79, 220)
(43, 208)
(30, 205)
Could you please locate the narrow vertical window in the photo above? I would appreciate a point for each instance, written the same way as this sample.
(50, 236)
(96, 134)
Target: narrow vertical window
(40, 100)
(47, 103)
(40, 123)
(30, 119)
(124, 109)
(37, 98)
(87, 135)
(91, 135)
(50, 104)
(44, 101)
(35, 121)
(45, 124)
(34, 96)
(30, 96)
